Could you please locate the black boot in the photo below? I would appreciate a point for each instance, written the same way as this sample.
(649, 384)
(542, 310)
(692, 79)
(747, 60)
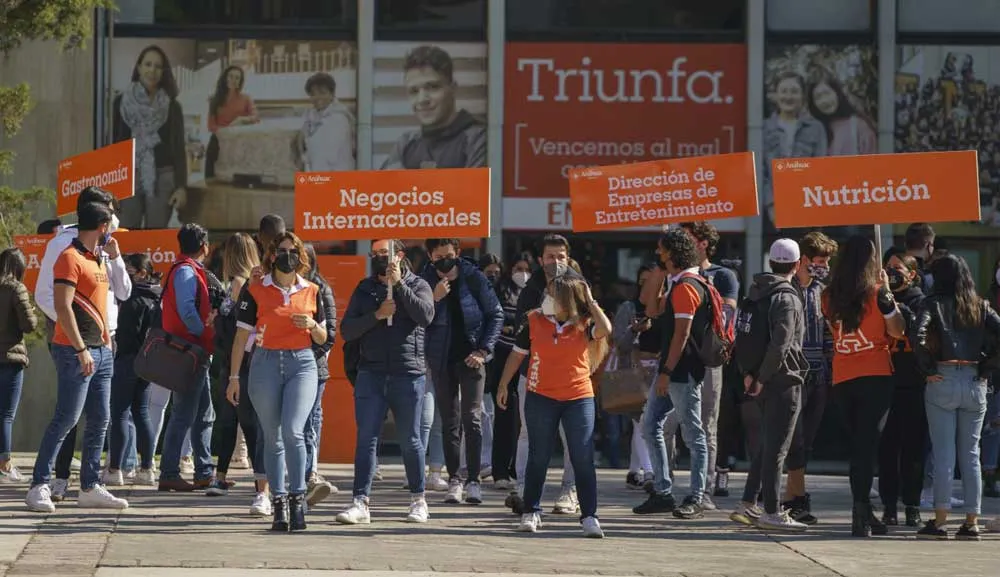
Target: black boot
(890, 516)
(860, 520)
(878, 527)
(280, 506)
(297, 513)
(913, 516)
(990, 488)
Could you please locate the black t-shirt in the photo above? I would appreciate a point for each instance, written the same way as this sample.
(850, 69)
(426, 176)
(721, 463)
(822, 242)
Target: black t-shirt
(460, 347)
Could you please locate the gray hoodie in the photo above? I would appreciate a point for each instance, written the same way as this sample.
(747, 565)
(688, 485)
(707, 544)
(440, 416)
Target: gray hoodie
(784, 360)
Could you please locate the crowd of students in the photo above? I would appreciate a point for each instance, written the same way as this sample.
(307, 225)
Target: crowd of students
(483, 366)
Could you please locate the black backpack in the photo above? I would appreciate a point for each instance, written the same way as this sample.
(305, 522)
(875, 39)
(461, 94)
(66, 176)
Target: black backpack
(753, 331)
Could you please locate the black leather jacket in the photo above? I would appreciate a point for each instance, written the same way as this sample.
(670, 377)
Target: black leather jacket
(938, 339)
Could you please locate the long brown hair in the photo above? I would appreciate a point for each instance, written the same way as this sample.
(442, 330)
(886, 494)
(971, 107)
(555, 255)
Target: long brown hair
(855, 277)
(239, 256)
(304, 264)
(570, 294)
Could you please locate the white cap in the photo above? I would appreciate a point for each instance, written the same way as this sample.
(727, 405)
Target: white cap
(784, 250)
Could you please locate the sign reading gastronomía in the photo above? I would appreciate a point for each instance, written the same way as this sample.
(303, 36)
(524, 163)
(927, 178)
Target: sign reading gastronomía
(111, 168)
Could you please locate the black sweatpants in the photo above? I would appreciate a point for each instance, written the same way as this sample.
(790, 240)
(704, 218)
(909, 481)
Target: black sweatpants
(903, 448)
(864, 402)
(506, 422)
(458, 394)
(779, 408)
(228, 419)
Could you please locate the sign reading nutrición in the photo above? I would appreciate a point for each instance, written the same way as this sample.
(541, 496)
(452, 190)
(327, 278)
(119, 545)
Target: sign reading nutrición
(373, 204)
(111, 168)
(876, 188)
(663, 191)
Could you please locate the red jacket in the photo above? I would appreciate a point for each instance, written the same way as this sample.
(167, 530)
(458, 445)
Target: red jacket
(171, 320)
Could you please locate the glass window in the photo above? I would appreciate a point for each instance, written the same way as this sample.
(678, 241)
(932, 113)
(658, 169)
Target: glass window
(238, 12)
(646, 15)
(953, 16)
(431, 14)
(819, 15)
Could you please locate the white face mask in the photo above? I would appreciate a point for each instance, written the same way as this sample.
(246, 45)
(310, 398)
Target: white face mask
(520, 278)
(113, 226)
(548, 306)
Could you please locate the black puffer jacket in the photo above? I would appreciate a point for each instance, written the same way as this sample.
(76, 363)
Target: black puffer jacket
(938, 338)
(330, 311)
(395, 350)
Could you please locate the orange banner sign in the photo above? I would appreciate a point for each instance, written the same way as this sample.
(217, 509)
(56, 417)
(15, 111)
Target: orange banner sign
(876, 189)
(33, 247)
(663, 191)
(161, 246)
(374, 204)
(111, 168)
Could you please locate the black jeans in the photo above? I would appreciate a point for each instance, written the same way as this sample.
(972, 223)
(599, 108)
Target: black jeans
(458, 394)
(864, 402)
(903, 447)
(729, 434)
(128, 391)
(229, 418)
(815, 393)
(506, 422)
(779, 406)
(64, 459)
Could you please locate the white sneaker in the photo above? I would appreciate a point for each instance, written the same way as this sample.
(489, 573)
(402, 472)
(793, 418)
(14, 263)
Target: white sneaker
(99, 498)
(261, 506)
(59, 488)
(454, 495)
(486, 472)
(130, 476)
(504, 485)
(436, 483)
(11, 477)
(318, 490)
(780, 522)
(113, 478)
(567, 503)
(746, 514)
(39, 499)
(418, 510)
(473, 494)
(75, 465)
(530, 523)
(187, 466)
(592, 528)
(356, 514)
(146, 478)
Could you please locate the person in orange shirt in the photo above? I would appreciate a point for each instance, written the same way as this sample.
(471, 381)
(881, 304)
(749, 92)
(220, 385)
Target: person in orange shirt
(285, 312)
(864, 320)
(228, 107)
(565, 342)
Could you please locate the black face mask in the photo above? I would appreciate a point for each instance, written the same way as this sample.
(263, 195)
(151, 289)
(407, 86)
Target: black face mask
(445, 265)
(380, 264)
(897, 281)
(493, 278)
(286, 262)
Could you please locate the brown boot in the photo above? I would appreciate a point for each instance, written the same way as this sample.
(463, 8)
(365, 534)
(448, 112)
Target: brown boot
(179, 485)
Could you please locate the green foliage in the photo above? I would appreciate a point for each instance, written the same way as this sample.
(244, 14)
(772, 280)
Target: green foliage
(19, 208)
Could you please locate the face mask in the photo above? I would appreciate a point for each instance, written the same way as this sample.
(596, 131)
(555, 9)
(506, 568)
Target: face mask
(818, 271)
(380, 264)
(548, 306)
(520, 278)
(556, 269)
(493, 278)
(286, 262)
(897, 281)
(113, 227)
(445, 265)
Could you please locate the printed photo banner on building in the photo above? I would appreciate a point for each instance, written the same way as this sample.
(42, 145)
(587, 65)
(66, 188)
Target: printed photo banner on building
(33, 247)
(375, 204)
(663, 191)
(111, 168)
(877, 188)
(579, 105)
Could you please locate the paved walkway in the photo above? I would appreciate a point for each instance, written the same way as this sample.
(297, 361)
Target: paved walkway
(165, 535)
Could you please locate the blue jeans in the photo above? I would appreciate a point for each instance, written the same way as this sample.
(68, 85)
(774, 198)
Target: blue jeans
(129, 412)
(191, 411)
(283, 388)
(685, 398)
(313, 431)
(11, 380)
(991, 431)
(430, 432)
(374, 394)
(543, 416)
(78, 395)
(956, 407)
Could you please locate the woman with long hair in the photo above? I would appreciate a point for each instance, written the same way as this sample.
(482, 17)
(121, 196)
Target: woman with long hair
(285, 313)
(17, 318)
(848, 130)
(148, 111)
(864, 320)
(229, 106)
(566, 340)
(239, 258)
(903, 447)
(956, 346)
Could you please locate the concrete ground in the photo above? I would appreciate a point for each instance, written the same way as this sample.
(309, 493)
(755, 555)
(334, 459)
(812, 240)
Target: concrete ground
(167, 535)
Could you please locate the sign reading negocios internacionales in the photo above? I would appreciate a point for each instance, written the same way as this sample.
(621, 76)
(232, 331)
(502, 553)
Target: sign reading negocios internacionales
(663, 191)
(374, 204)
(111, 168)
(876, 189)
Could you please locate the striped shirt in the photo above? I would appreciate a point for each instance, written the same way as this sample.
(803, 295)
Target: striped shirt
(818, 342)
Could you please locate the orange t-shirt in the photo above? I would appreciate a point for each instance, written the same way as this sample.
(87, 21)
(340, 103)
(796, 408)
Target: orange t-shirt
(88, 274)
(865, 352)
(266, 308)
(558, 365)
